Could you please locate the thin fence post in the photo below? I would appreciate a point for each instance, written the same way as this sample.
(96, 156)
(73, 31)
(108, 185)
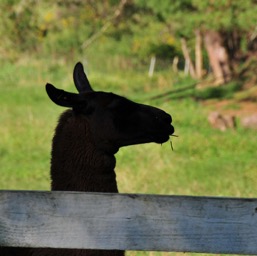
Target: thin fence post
(152, 66)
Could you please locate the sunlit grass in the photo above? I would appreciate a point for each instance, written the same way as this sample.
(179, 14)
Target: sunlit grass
(204, 161)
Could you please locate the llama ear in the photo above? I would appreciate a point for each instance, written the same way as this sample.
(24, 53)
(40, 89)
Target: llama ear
(61, 97)
(80, 79)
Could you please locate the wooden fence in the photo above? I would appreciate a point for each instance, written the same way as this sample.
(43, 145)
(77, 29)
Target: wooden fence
(128, 222)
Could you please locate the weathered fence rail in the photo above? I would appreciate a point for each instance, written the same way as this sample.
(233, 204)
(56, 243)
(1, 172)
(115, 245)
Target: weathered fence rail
(128, 222)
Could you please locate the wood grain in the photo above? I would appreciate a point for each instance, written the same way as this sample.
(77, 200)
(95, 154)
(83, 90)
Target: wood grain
(128, 222)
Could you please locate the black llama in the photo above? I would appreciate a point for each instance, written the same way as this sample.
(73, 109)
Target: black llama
(86, 139)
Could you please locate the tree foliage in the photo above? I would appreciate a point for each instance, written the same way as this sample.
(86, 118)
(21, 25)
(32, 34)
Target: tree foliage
(228, 28)
(184, 16)
(58, 27)
(139, 27)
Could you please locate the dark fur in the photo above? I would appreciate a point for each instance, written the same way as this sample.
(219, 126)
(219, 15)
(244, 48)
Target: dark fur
(77, 165)
(85, 141)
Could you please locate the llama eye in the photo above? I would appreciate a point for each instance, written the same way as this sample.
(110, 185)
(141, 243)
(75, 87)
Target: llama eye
(113, 105)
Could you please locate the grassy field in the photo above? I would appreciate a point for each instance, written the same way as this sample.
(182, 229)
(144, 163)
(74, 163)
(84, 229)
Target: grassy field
(204, 161)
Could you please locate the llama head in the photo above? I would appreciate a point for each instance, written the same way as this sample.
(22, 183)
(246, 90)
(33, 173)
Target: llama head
(113, 120)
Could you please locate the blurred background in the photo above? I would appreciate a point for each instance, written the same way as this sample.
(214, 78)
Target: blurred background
(195, 59)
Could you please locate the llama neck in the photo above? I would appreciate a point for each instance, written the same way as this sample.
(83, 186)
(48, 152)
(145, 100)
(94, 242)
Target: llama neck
(76, 164)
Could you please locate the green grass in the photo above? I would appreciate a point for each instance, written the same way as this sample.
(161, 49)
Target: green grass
(220, 92)
(204, 161)
(25, 143)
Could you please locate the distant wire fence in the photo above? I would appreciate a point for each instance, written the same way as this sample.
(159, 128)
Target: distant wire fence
(175, 91)
(215, 91)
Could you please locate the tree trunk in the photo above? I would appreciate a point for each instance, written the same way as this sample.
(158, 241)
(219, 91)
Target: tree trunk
(232, 42)
(198, 54)
(218, 57)
(188, 58)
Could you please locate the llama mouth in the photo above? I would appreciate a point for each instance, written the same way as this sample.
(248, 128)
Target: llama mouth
(158, 137)
(146, 139)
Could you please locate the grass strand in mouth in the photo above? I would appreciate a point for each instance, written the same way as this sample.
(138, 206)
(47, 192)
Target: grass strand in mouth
(171, 145)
